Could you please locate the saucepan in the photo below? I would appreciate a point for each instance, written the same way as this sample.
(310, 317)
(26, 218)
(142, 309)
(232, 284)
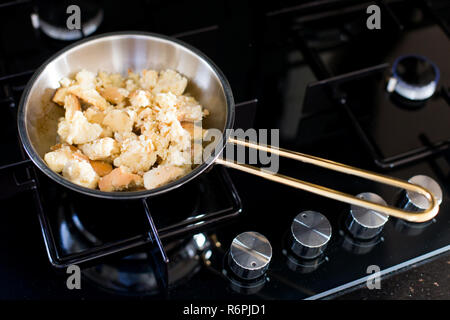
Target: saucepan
(118, 52)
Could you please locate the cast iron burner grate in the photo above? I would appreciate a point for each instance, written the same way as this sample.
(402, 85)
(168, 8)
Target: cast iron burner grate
(108, 227)
(112, 228)
(115, 227)
(353, 67)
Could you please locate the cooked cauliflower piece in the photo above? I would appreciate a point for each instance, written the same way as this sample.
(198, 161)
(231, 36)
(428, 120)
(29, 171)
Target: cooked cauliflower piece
(118, 121)
(74, 165)
(188, 109)
(120, 137)
(56, 160)
(89, 95)
(140, 98)
(78, 130)
(106, 80)
(136, 154)
(161, 175)
(196, 133)
(166, 100)
(149, 79)
(177, 157)
(100, 149)
(65, 82)
(125, 133)
(86, 79)
(170, 81)
(190, 113)
(81, 173)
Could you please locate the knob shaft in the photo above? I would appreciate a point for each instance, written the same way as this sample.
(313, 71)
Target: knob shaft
(364, 223)
(310, 233)
(250, 255)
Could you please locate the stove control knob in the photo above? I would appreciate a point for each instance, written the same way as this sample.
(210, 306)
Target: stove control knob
(250, 255)
(365, 223)
(414, 201)
(310, 233)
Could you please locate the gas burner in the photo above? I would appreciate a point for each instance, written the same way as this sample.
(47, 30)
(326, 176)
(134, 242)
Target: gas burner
(51, 20)
(79, 228)
(413, 78)
(135, 275)
(81, 224)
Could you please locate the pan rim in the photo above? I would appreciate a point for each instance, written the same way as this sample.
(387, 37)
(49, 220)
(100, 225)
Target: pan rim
(122, 195)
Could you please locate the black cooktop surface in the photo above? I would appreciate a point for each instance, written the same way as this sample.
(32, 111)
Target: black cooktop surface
(310, 69)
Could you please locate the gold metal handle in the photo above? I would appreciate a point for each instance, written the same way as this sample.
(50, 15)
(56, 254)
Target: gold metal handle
(421, 216)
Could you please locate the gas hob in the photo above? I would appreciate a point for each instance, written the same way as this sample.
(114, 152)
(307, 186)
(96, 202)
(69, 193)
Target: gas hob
(312, 70)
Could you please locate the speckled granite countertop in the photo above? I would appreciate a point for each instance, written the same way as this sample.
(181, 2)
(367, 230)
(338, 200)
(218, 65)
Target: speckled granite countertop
(429, 280)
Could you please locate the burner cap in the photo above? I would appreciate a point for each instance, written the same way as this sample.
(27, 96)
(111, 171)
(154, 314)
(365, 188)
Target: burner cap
(415, 71)
(414, 77)
(52, 17)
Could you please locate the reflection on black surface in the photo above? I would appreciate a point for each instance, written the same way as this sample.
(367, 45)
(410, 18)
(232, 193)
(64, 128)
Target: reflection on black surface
(296, 263)
(392, 124)
(359, 247)
(239, 285)
(133, 275)
(411, 228)
(302, 265)
(407, 104)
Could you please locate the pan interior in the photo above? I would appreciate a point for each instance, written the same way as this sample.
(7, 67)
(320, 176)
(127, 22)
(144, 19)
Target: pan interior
(118, 53)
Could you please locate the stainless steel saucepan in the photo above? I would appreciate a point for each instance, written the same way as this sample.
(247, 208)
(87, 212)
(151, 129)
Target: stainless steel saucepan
(118, 52)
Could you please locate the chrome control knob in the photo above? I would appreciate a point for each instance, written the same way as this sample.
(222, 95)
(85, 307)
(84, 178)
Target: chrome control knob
(250, 255)
(365, 223)
(414, 201)
(310, 233)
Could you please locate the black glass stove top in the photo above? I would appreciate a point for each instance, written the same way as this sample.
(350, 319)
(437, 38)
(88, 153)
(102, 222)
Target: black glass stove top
(286, 64)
